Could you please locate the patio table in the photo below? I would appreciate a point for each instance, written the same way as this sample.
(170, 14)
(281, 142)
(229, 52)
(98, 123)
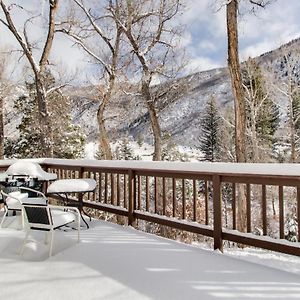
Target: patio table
(80, 186)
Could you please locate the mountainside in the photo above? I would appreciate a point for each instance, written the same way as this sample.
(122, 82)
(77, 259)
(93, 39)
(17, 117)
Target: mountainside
(180, 103)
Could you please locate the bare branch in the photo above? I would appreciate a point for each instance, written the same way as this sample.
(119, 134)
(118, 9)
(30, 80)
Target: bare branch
(260, 3)
(81, 43)
(95, 26)
(50, 35)
(56, 88)
(12, 28)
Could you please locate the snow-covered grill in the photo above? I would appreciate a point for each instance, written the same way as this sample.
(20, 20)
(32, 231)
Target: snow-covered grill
(26, 174)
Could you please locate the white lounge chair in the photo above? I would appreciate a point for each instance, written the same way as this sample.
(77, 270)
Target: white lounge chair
(44, 217)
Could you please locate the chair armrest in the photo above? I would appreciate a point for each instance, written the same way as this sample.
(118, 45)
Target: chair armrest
(27, 202)
(34, 191)
(75, 209)
(19, 197)
(34, 205)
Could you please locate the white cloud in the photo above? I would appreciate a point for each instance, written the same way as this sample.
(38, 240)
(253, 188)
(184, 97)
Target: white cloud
(266, 30)
(205, 37)
(64, 51)
(184, 41)
(195, 10)
(207, 46)
(260, 47)
(257, 49)
(201, 64)
(271, 27)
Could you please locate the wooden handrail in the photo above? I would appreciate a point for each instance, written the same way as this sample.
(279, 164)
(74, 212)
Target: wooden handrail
(189, 197)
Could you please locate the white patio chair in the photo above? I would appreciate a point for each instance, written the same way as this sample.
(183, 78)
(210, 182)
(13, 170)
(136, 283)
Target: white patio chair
(39, 215)
(12, 198)
(49, 218)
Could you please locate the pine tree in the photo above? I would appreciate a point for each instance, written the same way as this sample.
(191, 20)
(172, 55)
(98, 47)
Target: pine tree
(291, 226)
(124, 151)
(210, 142)
(68, 141)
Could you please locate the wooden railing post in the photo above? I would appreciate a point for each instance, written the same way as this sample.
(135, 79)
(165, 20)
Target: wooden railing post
(217, 204)
(131, 197)
(45, 183)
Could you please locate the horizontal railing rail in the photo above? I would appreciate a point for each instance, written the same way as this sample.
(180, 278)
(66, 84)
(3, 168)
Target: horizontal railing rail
(197, 198)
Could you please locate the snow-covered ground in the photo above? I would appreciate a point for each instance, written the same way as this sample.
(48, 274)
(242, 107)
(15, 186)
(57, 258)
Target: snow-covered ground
(144, 151)
(115, 262)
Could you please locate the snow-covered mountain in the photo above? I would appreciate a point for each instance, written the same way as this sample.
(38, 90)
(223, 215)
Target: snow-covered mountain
(180, 103)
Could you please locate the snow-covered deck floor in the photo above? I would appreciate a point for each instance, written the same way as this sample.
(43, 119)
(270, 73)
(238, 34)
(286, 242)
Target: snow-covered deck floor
(113, 262)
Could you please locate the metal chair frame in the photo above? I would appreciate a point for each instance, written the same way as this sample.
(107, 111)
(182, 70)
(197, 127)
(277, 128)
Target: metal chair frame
(39, 217)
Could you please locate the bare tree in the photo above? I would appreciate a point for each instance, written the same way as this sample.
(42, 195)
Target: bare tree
(232, 8)
(290, 89)
(261, 111)
(149, 31)
(84, 33)
(236, 80)
(5, 87)
(38, 67)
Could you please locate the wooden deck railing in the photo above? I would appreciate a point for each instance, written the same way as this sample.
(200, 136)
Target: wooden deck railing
(198, 198)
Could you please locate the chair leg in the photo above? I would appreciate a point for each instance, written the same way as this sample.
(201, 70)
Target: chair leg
(78, 229)
(4, 216)
(24, 243)
(51, 243)
(46, 237)
(23, 219)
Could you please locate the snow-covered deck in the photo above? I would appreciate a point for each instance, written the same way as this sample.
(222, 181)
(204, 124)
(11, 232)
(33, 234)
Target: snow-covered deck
(113, 262)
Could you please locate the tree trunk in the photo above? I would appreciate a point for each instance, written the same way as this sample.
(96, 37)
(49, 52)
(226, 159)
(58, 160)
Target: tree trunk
(236, 81)
(292, 126)
(1, 129)
(292, 139)
(104, 146)
(46, 133)
(153, 117)
(254, 142)
(239, 103)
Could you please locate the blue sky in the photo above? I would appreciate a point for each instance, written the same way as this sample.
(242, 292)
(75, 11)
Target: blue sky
(266, 30)
(205, 36)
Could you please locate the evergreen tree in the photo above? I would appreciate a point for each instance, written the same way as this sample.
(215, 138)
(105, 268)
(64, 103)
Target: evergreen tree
(68, 141)
(291, 226)
(210, 142)
(124, 151)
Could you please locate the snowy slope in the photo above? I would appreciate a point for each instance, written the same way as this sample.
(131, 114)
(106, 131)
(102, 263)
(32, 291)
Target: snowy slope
(179, 106)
